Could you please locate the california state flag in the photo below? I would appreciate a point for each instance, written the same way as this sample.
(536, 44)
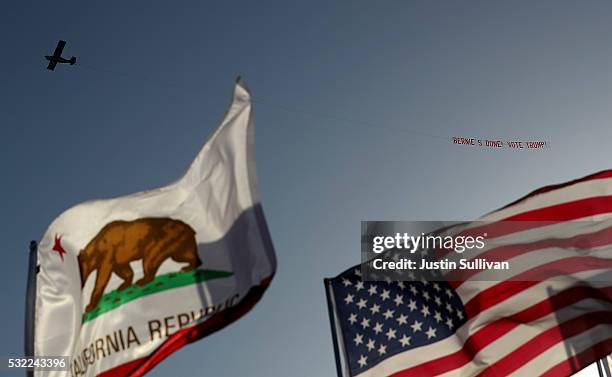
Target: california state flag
(124, 282)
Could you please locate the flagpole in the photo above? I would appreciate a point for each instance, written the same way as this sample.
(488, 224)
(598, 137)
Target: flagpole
(602, 367)
(340, 358)
(30, 303)
(606, 366)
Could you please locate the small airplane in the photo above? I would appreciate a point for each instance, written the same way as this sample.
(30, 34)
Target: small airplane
(57, 56)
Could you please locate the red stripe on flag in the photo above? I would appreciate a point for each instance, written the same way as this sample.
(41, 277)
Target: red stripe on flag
(600, 175)
(545, 340)
(567, 211)
(503, 253)
(187, 335)
(506, 289)
(538, 218)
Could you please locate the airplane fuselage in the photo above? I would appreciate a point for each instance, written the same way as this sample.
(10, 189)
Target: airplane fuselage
(56, 59)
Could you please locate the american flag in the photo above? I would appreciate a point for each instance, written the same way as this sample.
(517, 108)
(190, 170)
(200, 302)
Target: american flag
(554, 326)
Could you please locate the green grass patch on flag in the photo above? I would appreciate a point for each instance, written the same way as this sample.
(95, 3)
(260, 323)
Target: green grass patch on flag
(114, 299)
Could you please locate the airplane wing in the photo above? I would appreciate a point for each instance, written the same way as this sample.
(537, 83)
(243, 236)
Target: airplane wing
(51, 65)
(59, 48)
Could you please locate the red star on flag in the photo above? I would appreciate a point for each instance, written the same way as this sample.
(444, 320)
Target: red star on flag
(57, 247)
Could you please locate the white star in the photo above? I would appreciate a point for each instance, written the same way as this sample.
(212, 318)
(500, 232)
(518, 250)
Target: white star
(431, 333)
(405, 340)
(437, 300)
(358, 272)
(365, 323)
(378, 328)
(416, 326)
(399, 299)
(424, 281)
(401, 284)
(372, 290)
(449, 307)
(436, 287)
(449, 293)
(375, 308)
(438, 316)
(346, 282)
(358, 339)
(412, 305)
(363, 361)
(359, 285)
(382, 350)
(411, 275)
(371, 345)
(426, 295)
(349, 298)
(362, 303)
(413, 290)
(459, 314)
(390, 334)
(353, 318)
(385, 294)
(402, 319)
(449, 323)
(425, 310)
(389, 314)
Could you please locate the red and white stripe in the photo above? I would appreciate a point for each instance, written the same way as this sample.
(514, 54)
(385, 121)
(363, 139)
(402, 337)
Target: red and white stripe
(521, 326)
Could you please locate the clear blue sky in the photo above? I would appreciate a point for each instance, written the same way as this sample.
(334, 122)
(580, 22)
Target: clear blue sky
(152, 79)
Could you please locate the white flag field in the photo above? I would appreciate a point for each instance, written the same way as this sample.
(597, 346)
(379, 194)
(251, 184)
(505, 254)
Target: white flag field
(124, 282)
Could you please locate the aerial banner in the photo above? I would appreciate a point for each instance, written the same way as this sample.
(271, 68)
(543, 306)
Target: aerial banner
(499, 143)
(124, 282)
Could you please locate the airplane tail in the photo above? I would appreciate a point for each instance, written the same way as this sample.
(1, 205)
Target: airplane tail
(72, 60)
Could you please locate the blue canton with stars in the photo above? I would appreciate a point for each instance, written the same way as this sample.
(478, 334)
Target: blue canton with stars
(379, 319)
